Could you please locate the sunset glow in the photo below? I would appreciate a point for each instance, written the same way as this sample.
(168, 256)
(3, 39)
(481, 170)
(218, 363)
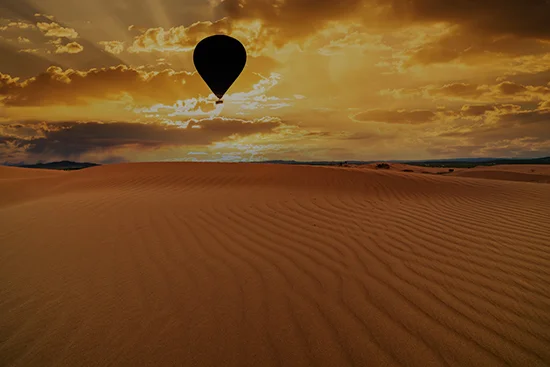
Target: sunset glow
(109, 81)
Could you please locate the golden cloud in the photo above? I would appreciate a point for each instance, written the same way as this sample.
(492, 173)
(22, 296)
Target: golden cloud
(253, 103)
(287, 16)
(21, 25)
(474, 111)
(531, 19)
(29, 50)
(55, 30)
(177, 39)
(505, 90)
(69, 48)
(114, 47)
(341, 38)
(468, 47)
(397, 116)
(464, 31)
(182, 39)
(72, 87)
(50, 17)
(488, 113)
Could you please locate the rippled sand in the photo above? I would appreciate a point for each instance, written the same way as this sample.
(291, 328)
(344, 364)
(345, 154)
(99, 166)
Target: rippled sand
(206, 264)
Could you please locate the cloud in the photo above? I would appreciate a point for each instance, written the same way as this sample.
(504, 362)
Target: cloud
(469, 131)
(505, 90)
(69, 48)
(177, 38)
(396, 116)
(73, 140)
(451, 69)
(513, 129)
(471, 48)
(458, 90)
(29, 50)
(473, 111)
(288, 16)
(460, 32)
(341, 38)
(23, 40)
(529, 19)
(55, 30)
(72, 87)
(497, 130)
(20, 25)
(502, 17)
(50, 17)
(183, 39)
(56, 86)
(114, 47)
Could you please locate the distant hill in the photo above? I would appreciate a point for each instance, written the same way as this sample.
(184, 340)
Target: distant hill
(456, 163)
(451, 163)
(465, 163)
(62, 165)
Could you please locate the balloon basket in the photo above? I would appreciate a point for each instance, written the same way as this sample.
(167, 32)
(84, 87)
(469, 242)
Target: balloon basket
(219, 101)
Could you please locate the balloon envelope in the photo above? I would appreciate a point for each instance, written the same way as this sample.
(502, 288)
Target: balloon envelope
(219, 60)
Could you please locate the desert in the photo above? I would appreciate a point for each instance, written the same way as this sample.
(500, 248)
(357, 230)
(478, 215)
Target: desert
(236, 264)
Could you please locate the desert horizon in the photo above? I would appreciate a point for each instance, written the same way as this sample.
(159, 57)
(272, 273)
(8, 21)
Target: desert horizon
(241, 264)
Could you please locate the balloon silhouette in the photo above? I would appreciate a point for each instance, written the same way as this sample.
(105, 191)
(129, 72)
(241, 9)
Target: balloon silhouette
(219, 60)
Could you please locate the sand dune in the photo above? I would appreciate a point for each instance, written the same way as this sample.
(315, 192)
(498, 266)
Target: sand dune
(509, 172)
(205, 264)
(526, 173)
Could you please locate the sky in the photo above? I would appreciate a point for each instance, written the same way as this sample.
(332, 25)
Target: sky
(112, 81)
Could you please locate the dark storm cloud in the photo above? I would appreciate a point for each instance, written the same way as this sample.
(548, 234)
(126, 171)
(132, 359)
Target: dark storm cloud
(483, 29)
(505, 17)
(73, 139)
(511, 124)
(529, 18)
(507, 27)
(513, 133)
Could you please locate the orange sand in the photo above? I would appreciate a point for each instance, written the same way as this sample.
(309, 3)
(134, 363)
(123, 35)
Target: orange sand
(512, 172)
(205, 264)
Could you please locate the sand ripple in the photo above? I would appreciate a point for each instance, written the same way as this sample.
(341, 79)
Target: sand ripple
(186, 264)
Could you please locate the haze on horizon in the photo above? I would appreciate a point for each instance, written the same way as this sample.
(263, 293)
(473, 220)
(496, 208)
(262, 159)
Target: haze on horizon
(113, 81)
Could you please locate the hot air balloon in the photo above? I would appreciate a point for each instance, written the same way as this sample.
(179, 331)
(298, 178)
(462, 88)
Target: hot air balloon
(219, 60)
